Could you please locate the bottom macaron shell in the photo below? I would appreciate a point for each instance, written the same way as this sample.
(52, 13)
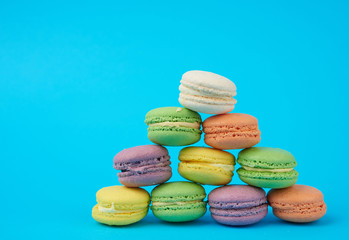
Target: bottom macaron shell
(269, 180)
(240, 221)
(268, 183)
(204, 175)
(229, 141)
(239, 216)
(117, 219)
(202, 107)
(184, 213)
(174, 136)
(307, 215)
(147, 179)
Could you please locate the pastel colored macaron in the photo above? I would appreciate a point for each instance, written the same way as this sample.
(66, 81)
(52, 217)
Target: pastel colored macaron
(143, 165)
(298, 203)
(238, 205)
(173, 126)
(119, 205)
(206, 165)
(231, 131)
(207, 92)
(178, 201)
(267, 167)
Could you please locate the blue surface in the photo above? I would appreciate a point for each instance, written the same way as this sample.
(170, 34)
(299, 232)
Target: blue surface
(76, 80)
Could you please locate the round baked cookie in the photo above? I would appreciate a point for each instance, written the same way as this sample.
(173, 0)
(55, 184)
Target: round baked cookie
(143, 165)
(237, 205)
(267, 167)
(119, 205)
(207, 92)
(206, 165)
(231, 131)
(173, 126)
(299, 203)
(178, 201)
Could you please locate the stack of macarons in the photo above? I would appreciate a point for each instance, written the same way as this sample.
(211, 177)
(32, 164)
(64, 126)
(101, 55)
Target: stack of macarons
(234, 205)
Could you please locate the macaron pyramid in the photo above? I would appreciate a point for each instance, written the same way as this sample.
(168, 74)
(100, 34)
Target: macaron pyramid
(261, 167)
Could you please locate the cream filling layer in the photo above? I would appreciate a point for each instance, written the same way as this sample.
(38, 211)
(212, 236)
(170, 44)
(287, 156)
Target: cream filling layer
(267, 170)
(207, 99)
(196, 89)
(229, 168)
(177, 124)
(174, 203)
(224, 166)
(113, 210)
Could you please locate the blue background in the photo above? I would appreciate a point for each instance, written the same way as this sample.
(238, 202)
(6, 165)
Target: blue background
(77, 78)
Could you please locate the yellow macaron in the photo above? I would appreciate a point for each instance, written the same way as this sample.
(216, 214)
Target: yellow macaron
(119, 205)
(206, 165)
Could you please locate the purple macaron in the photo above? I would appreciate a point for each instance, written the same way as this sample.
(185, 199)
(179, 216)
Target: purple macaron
(237, 205)
(143, 166)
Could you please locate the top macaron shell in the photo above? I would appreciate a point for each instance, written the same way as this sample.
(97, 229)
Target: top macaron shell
(266, 158)
(123, 197)
(143, 165)
(236, 196)
(207, 92)
(178, 191)
(231, 131)
(173, 126)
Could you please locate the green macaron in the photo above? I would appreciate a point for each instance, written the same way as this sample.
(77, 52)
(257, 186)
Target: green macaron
(173, 126)
(267, 167)
(178, 201)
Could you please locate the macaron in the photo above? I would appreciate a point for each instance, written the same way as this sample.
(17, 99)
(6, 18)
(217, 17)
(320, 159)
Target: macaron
(143, 165)
(267, 167)
(178, 201)
(207, 92)
(173, 126)
(237, 205)
(119, 205)
(206, 165)
(231, 131)
(298, 203)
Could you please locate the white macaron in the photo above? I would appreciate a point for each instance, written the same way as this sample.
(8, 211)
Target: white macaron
(207, 92)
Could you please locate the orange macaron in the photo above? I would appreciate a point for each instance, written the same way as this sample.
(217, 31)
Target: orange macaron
(299, 203)
(231, 131)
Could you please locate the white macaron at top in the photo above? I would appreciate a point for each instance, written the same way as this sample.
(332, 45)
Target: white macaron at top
(208, 80)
